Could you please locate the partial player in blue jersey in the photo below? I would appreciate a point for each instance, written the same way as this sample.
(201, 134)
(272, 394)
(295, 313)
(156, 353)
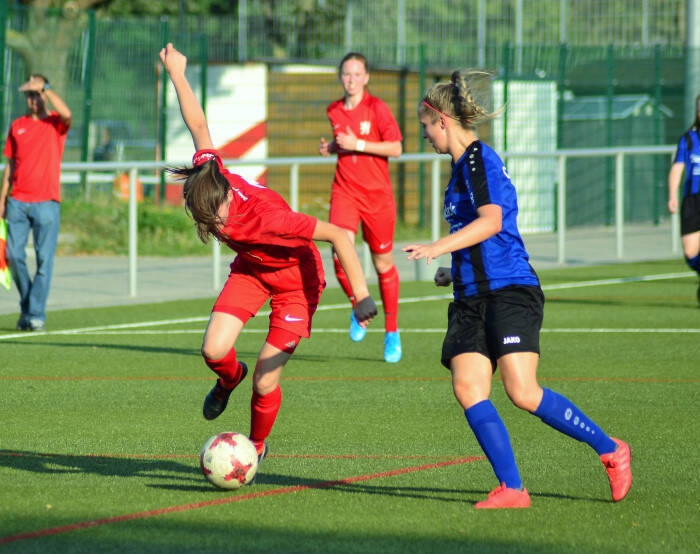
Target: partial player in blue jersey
(495, 318)
(687, 161)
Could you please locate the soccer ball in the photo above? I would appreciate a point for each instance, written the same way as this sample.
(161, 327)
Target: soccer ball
(229, 460)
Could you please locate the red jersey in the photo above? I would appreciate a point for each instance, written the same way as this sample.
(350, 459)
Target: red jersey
(36, 147)
(265, 232)
(360, 175)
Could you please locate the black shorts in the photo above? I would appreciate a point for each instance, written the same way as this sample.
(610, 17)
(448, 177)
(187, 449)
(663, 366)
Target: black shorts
(690, 214)
(495, 323)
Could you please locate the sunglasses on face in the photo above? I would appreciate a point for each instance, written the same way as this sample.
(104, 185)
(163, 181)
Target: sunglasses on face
(32, 94)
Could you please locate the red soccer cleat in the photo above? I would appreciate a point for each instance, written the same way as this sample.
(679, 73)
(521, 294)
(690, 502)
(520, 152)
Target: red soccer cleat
(503, 497)
(617, 465)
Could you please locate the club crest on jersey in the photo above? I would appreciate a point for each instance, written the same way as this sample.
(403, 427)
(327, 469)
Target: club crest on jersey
(449, 210)
(365, 127)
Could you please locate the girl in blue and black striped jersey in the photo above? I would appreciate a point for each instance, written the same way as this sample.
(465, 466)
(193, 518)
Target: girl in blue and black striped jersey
(687, 160)
(495, 318)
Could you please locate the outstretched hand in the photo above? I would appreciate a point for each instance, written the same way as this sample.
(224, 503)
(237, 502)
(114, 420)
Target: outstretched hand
(420, 251)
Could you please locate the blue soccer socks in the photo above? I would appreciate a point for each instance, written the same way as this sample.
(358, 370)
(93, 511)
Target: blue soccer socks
(494, 440)
(563, 415)
(694, 263)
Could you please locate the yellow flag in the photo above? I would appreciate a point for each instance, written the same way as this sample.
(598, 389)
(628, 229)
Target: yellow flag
(5, 276)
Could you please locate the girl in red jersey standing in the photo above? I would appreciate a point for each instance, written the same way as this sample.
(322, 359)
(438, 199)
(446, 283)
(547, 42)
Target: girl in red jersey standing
(277, 261)
(365, 135)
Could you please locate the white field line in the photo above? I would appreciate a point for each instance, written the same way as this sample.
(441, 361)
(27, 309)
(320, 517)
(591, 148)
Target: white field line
(127, 328)
(428, 330)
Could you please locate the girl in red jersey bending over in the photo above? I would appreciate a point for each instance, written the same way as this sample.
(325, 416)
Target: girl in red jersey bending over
(277, 260)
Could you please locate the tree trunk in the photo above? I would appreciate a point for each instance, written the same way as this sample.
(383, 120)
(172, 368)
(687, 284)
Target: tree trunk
(47, 42)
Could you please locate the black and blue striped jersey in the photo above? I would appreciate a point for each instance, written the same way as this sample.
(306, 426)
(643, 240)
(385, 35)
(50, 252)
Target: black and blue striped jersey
(688, 152)
(479, 178)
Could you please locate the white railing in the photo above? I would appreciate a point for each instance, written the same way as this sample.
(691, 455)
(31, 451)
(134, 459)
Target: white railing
(136, 170)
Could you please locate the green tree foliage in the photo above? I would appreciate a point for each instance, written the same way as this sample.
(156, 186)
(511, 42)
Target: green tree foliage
(166, 7)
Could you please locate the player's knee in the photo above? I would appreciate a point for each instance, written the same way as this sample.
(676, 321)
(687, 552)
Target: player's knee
(468, 394)
(525, 398)
(211, 350)
(383, 262)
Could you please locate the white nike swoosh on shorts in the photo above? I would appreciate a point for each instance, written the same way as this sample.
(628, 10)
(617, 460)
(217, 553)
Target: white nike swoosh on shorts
(292, 319)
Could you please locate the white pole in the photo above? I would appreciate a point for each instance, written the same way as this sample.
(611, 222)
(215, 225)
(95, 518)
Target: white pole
(401, 33)
(242, 30)
(133, 232)
(692, 59)
(562, 21)
(620, 204)
(675, 233)
(481, 33)
(294, 187)
(435, 205)
(561, 209)
(519, 36)
(216, 264)
(349, 14)
(420, 268)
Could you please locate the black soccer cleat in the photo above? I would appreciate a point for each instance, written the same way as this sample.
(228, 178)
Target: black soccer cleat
(217, 399)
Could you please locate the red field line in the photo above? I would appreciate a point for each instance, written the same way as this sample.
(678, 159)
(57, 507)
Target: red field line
(21, 454)
(238, 498)
(658, 380)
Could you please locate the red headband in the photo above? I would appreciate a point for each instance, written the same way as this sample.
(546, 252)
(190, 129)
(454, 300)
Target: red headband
(425, 102)
(203, 156)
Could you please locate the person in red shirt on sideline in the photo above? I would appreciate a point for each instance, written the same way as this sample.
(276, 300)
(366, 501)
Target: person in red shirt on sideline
(276, 260)
(32, 175)
(365, 135)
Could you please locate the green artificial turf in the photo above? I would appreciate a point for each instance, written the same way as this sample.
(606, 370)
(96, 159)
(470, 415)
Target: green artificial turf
(100, 431)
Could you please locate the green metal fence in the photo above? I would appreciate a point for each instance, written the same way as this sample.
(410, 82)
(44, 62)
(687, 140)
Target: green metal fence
(610, 95)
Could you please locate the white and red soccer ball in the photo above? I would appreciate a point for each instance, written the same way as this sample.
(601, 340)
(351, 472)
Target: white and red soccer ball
(229, 460)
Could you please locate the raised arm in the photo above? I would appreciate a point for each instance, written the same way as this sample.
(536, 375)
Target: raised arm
(38, 83)
(192, 113)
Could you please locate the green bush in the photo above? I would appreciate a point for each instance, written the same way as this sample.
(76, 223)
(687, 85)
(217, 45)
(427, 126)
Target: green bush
(101, 227)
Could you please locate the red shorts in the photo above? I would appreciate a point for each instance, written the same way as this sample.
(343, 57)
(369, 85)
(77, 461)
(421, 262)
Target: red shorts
(293, 299)
(377, 226)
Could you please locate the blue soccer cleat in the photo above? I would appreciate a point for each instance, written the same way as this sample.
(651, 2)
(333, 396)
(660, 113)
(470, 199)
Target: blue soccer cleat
(392, 347)
(357, 330)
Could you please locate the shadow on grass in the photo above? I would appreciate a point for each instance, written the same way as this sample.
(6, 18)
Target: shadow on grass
(177, 475)
(291, 483)
(160, 467)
